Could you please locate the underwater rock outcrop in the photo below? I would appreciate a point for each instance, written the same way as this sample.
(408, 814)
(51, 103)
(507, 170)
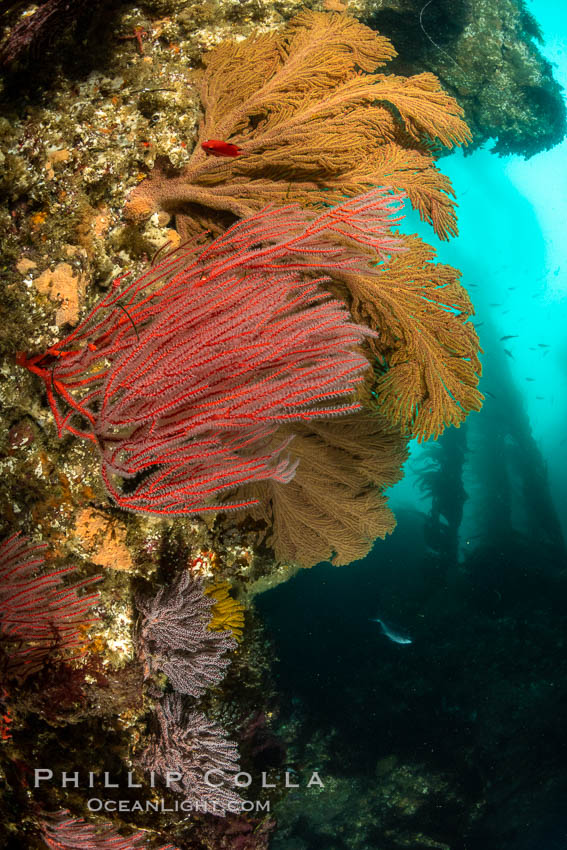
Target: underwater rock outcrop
(487, 55)
(34, 34)
(183, 389)
(179, 423)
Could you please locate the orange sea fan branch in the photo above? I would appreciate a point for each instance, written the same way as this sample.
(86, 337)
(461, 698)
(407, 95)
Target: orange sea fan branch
(310, 119)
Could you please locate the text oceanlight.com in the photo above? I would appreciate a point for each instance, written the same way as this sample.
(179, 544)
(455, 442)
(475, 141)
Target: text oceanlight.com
(171, 779)
(95, 804)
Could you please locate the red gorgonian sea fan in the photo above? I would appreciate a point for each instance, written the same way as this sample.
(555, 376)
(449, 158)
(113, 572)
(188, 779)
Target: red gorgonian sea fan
(60, 831)
(38, 614)
(182, 377)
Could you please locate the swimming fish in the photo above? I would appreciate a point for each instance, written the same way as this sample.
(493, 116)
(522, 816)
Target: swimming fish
(542, 345)
(510, 336)
(530, 379)
(509, 353)
(487, 392)
(218, 148)
(390, 633)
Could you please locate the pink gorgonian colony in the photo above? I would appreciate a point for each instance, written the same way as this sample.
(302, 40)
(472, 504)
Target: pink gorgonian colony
(174, 637)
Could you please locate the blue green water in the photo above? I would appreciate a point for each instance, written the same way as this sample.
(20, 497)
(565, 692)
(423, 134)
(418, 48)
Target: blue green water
(513, 253)
(512, 250)
(479, 695)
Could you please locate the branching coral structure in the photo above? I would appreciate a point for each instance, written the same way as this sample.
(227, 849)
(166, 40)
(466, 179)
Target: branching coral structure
(196, 750)
(181, 377)
(313, 123)
(335, 507)
(175, 639)
(60, 831)
(39, 615)
(427, 350)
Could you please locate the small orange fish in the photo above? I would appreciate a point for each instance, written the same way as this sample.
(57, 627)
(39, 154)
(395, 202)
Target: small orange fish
(218, 148)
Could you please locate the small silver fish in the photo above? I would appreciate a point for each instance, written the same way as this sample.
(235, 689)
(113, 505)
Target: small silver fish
(390, 634)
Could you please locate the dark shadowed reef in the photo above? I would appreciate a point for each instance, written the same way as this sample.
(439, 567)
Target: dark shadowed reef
(456, 740)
